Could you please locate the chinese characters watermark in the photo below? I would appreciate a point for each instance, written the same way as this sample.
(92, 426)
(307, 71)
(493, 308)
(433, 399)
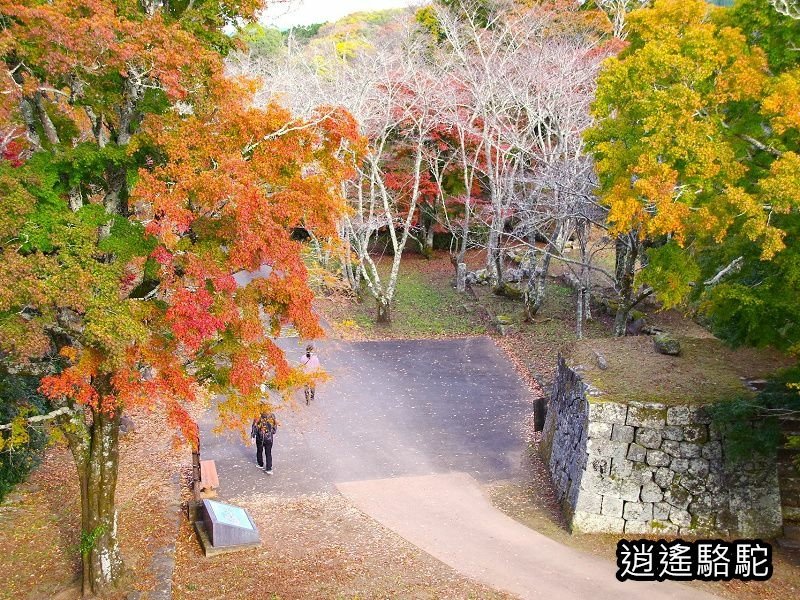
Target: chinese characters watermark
(707, 560)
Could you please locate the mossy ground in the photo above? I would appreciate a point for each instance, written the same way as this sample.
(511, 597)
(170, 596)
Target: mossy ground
(427, 305)
(705, 372)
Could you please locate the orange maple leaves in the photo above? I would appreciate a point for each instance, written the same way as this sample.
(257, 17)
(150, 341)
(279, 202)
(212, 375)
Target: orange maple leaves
(222, 187)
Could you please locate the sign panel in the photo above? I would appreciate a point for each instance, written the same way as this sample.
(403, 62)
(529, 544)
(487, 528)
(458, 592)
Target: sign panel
(230, 515)
(228, 525)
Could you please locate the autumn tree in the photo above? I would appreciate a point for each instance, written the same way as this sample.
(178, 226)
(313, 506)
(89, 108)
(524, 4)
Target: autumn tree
(696, 148)
(396, 116)
(146, 182)
(528, 123)
(617, 12)
(389, 90)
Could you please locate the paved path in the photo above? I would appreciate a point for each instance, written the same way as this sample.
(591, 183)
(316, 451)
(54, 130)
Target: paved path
(392, 408)
(450, 517)
(406, 430)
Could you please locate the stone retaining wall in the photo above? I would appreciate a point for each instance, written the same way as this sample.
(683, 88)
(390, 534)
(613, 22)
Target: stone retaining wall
(650, 468)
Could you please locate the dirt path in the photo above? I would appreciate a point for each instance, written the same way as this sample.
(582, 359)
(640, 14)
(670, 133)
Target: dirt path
(450, 517)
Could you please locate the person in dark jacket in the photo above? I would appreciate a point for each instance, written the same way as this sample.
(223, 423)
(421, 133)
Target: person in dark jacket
(263, 430)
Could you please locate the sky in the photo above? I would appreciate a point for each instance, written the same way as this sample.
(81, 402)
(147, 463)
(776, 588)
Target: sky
(305, 12)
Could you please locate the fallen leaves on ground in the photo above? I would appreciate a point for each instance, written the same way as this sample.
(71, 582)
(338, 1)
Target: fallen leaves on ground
(40, 521)
(318, 546)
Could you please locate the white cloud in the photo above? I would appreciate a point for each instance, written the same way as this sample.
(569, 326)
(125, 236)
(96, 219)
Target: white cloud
(305, 12)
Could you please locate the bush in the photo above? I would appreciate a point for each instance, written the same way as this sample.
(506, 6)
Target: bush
(18, 393)
(750, 425)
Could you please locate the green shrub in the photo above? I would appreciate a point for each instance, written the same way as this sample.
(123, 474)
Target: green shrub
(18, 393)
(750, 425)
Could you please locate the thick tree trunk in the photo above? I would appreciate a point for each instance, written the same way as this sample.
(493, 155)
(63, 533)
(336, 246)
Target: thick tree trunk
(427, 223)
(428, 248)
(620, 321)
(384, 314)
(116, 198)
(95, 448)
(102, 554)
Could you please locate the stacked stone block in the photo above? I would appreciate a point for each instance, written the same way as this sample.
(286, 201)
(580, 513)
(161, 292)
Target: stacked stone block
(649, 468)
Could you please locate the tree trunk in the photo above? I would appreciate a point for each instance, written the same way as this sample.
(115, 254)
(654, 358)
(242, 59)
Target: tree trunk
(620, 321)
(427, 223)
(492, 253)
(579, 312)
(427, 250)
(384, 315)
(535, 290)
(587, 303)
(116, 198)
(351, 270)
(95, 448)
(461, 277)
(583, 233)
(627, 253)
(620, 251)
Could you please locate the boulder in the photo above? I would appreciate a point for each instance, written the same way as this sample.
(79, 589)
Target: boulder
(666, 344)
(601, 361)
(516, 256)
(502, 323)
(513, 275)
(509, 291)
(480, 277)
(126, 425)
(635, 327)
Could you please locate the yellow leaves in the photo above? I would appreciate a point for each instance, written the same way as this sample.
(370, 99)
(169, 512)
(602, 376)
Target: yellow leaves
(649, 203)
(671, 217)
(18, 434)
(668, 18)
(656, 186)
(756, 225)
(745, 78)
(772, 241)
(783, 102)
(781, 190)
(624, 209)
(69, 352)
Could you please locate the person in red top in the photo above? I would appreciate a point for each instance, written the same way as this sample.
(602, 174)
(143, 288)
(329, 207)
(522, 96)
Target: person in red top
(310, 364)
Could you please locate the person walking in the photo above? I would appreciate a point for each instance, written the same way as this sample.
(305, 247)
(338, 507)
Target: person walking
(263, 430)
(310, 364)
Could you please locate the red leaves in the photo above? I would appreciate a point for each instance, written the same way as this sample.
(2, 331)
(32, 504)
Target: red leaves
(13, 152)
(70, 383)
(180, 419)
(228, 186)
(77, 382)
(191, 319)
(245, 376)
(65, 37)
(162, 256)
